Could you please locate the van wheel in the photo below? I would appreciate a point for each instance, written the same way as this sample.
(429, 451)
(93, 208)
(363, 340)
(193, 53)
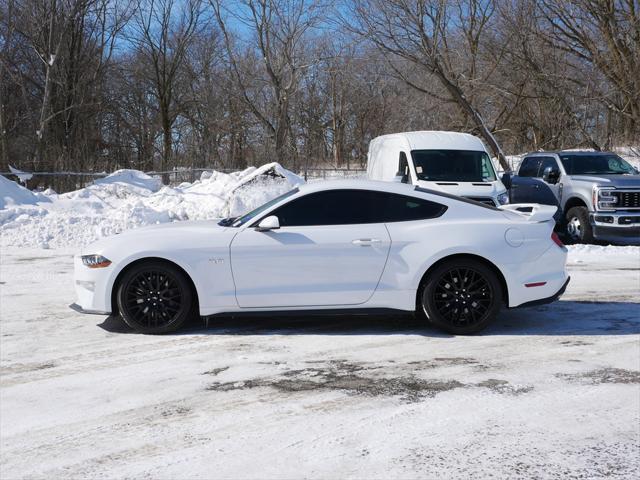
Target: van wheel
(461, 296)
(578, 228)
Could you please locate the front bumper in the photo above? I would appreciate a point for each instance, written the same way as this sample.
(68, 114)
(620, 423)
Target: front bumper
(93, 287)
(616, 227)
(77, 308)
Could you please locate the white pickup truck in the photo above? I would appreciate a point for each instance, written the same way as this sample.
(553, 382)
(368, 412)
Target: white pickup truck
(452, 162)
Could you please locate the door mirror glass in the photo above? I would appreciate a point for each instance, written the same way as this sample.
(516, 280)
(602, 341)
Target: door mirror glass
(550, 175)
(506, 180)
(402, 175)
(269, 223)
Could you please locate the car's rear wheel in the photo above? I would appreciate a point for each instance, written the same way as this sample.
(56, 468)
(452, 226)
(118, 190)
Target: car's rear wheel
(155, 297)
(461, 296)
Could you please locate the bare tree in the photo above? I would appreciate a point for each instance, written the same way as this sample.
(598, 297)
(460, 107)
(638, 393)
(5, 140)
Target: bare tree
(279, 29)
(164, 30)
(423, 33)
(605, 33)
(56, 57)
(157, 84)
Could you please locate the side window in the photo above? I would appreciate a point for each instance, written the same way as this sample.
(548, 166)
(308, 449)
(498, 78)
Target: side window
(390, 207)
(345, 207)
(529, 167)
(548, 162)
(403, 168)
(334, 207)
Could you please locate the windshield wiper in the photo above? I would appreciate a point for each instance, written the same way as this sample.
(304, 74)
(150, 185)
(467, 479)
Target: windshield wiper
(225, 222)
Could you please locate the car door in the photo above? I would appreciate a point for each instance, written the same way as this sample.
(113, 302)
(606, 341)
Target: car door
(327, 251)
(552, 163)
(522, 187)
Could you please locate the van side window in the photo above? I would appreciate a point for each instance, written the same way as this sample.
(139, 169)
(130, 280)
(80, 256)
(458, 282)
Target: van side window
(403, 168)
(529, 167)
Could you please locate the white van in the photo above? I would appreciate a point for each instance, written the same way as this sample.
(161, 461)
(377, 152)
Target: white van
(452, 162)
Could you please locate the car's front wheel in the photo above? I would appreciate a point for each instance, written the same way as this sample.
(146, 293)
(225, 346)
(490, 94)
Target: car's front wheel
(461, 296)
(578, 228)
(155, 297)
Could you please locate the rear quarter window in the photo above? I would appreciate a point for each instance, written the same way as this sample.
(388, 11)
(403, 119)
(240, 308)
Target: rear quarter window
(391, 207)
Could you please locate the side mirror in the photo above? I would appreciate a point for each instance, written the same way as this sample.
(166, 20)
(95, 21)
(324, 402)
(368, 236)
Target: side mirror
(268, 223)
(401, 177)
(550, 175)
(506, 180)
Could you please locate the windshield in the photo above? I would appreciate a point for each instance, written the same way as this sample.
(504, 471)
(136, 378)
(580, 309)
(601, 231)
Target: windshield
(247, 217)
(453, 166)
(595, 164)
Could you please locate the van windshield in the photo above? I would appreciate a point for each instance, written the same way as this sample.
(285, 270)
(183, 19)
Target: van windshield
(453, 166)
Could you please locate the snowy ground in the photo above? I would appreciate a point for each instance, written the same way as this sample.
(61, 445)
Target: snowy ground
(550, 392)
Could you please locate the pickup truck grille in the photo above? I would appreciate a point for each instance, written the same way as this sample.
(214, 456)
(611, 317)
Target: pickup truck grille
(485, 200)
(627, 199)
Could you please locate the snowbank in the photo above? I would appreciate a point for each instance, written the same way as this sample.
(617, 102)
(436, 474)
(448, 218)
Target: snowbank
(128, 199)
(13, 194)
(130, 178)
(628, 256)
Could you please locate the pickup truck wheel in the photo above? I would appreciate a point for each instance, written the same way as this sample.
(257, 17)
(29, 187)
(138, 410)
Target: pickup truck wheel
(578, 228)
(461, 297)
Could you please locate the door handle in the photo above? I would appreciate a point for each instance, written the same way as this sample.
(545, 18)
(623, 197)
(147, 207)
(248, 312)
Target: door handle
(365, 242)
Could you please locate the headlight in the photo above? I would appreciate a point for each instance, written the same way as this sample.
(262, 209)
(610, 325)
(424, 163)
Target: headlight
(95, 261)
(604, 199)
(503, 198)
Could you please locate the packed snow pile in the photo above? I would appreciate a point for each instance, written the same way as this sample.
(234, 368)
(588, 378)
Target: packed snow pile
(128, 199)
(131, 178)
(13, 194)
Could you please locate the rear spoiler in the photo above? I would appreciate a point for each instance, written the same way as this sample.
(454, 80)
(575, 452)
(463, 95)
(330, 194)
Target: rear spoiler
(533, 212)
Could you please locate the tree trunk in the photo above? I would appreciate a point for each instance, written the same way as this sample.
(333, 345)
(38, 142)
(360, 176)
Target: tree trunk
(469, 110)
(282, 128)
(4, 147)
(165, 158)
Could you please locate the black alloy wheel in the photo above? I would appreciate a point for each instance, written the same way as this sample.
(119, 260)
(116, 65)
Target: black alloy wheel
(462, 296)
(155, 297)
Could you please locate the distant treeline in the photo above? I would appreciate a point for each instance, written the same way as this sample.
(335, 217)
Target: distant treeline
(95, 85)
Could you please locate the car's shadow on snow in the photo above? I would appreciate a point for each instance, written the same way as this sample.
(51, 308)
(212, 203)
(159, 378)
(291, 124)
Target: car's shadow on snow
(560, 318)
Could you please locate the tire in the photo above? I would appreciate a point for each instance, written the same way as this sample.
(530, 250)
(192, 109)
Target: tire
(577, 227)
(439, 297)
(155, 297)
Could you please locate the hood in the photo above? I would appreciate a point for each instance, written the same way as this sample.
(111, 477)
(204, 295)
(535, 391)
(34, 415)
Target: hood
(618, 181)
(466, 189)
(164, 235)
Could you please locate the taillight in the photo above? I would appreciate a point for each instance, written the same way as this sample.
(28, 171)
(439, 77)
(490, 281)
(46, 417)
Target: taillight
(556, 239)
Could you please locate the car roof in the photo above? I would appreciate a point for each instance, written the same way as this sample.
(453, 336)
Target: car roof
(569, 152)
(437, 140)
(358, 184)
(391, 187)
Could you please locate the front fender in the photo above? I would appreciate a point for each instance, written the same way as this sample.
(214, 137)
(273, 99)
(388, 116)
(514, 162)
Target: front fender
(125, 262)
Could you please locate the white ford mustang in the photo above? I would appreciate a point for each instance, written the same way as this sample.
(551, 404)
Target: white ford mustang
(343, 245)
